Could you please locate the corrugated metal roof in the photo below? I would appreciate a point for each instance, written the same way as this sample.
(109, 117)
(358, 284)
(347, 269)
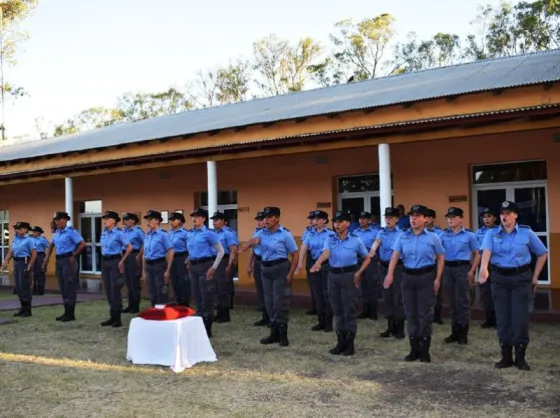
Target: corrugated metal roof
(536, 68)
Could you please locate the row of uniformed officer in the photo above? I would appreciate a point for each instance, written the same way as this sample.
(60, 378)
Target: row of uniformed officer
(41, 244)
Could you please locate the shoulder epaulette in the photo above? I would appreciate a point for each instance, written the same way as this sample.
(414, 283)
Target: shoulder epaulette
(286, 229)
(525, 226)
(71, 228)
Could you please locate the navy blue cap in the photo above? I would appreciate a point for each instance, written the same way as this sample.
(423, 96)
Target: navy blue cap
(341, 216)
(218, 215)
(392, 212)
(420, 210)
(177, 216)
(128, 215)
(320, 214)
(200, 212)
(61, 215)
(488, 211)
(22, 225)
(153, 214)
(109, 214)
(311, 214)
(509, 206)
(38, 229)
(453, 211)
(364, 214)
(260, 216)
(271, 211)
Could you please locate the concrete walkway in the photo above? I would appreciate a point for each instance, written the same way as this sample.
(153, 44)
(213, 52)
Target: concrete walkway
(47, 300)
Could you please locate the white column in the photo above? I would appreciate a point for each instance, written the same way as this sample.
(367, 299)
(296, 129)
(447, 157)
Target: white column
(69, 198)
(212, 189)
(385, 192)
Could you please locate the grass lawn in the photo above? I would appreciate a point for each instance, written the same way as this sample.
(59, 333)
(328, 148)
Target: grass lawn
(79, 369)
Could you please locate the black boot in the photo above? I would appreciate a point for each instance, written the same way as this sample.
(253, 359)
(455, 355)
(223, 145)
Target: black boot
(365, 311)
(320, 325)
(414, 350)
(59, 318)
(136, 307)
(390, 328)
(463, 334)
(507, 357)
(340, 342)
(41, 290)
(69, 316)
(26, 309)
(274, 336)
(117, 322)
(437, 315)
(398, 329)
(21, 309)
(208, 326)
(263, 321)
(454, 337)
(110, 321)
(328, 322)
(425, 350)
(349, 344)
(520, 363)
(224, 317)
(218, 313)
(373, 310)
(283, 333)
(129, 307)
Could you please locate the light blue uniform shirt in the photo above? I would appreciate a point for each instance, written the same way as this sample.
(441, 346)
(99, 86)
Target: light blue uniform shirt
(201, 243)
(22, 246)
(513, 249)
(308, 229)
(315, 242)
(156, 244)
(404, 222)
(418, 251)
(113, 241)
(66, 240)
(276, 245)
(226, 238)
(459, 246)
(367, 235)
(256, 248)
(388, 237)
(481, 233)
(135, 237)
(435, 229)
(344, 252)
(234, 233)
(41, 243)
(353, 226)
(179, 238)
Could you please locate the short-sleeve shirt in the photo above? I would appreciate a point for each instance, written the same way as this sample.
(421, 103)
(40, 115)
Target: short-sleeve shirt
(201, 243)
(418, 251)
(113, 241)
(66, 240)
(344, 252)
(276, 245)
(459, 246)
(156, 244)
(22, 246)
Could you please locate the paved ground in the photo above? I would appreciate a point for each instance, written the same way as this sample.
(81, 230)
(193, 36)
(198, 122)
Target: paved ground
(46, 300)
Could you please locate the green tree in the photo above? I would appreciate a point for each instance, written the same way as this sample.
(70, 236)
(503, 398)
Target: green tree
(233, 82)
(92, 118)
(133, 107)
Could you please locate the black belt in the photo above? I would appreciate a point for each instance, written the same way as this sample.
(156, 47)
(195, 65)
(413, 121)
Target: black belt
(273, 262)
(155, 261)
(40, 252)
(201, 260)
(20, 259)
(110, 257)
(511, 271)
(457, 263)
(258, 257)
(345, 269)
(59, 256)
(182, 253)
(386, 263)
(418, 272)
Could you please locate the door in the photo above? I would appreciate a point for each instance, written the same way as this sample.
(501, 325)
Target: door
(90, 229)
(531, 198)
(358, 202)
(5, 238)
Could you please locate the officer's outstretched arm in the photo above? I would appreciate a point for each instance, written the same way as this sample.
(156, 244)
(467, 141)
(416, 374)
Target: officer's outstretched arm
(393, 263)
(322, 258)
(302, 257)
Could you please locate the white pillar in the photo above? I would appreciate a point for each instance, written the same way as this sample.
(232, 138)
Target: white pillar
(385, 191)
(212, 189)
(69, 198)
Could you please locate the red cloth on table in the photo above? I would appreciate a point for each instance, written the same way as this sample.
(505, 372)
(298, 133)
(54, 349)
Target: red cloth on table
(166, 314)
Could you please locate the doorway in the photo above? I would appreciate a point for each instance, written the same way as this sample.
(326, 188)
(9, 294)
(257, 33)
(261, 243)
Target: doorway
(360, 193)
(5, 239)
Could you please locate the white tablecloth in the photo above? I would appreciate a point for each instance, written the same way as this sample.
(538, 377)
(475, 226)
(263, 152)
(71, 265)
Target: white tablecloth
(180, 343)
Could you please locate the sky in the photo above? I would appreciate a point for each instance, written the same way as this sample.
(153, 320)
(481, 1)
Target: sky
(83, 54)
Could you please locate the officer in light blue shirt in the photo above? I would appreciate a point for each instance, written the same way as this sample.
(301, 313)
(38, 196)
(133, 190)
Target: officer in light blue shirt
(205, 255)
(158, 259)
(422, 255)
(343, 251)
(41, 244)
(489, 219)
(508, 249)
(313, 246)
(133, 264)
(179, 236)
(24, 253)
(404, 221)
(69, 245)
(276, 244)
(382, 248)
(430, 219)
(309, 260)
(113, 240)
(255, 268)
(461, 261)
(224, 273)
(369, 286)
(234, 271)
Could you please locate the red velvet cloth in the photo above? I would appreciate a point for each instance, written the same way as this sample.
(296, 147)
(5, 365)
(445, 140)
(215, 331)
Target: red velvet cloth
(166, 314)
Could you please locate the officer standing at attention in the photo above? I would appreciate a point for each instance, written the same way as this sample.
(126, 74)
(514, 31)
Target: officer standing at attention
(314, 244)
(41, 244)
(224, 274)
(461, 261)
(343, 250)
(234, 271)
(158, 259)
(508, 249)
(277, 243)
(254, 267)
(24, 253)
(309, 260)
(204, 262)
(69, 244)
(490, 222)
(422, 255)
(133, 264)
(430, 219)
(392, 296)
(113, 240)
(369, 286)
(179, 236)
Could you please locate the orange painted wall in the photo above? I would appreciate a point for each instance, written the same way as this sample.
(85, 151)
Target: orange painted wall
(426, 172)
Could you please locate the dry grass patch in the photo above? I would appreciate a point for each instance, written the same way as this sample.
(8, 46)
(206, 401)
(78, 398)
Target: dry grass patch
(79, 369)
